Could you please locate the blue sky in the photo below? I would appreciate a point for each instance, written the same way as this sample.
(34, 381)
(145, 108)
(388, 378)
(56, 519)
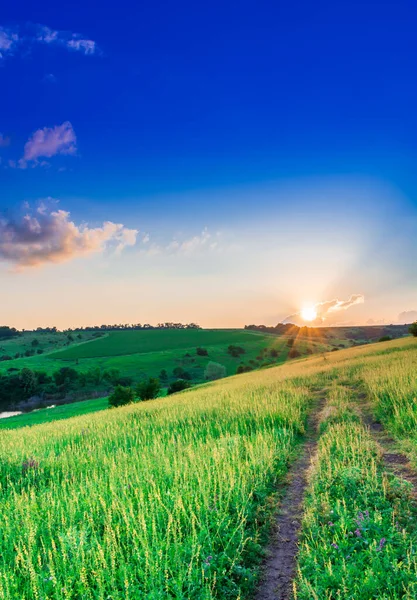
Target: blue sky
(231, 137)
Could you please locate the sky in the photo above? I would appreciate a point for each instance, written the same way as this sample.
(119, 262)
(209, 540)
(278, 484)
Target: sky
(225, 163)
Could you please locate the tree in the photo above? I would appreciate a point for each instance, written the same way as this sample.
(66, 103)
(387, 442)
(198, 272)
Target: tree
(214, 371)
(293, 353)
(235, 351)
(413, 329)
(181, 373)
(178, 386)
(35, 343)
(201, 352)
(163, 376)
(121, 396)
(148, 389)
(29, 381)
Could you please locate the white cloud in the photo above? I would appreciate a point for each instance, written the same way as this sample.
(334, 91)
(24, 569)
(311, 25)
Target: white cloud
(326, 308)
(10, 39)
(51, 237)
(48, 142)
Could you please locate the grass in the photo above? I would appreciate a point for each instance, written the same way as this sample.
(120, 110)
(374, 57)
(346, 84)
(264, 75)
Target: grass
(172, 498)
(359, 530)
(118, 343)
(164, 499)
(47, 415)
(139, 354)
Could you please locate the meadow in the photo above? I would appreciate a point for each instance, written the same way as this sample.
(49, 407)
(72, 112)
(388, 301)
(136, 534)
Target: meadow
(144, 353)
(173, 498)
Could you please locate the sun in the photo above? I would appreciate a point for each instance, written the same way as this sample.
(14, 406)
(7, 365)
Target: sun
(308, 313)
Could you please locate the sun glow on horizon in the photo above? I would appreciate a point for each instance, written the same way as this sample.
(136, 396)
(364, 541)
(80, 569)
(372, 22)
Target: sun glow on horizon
(308, 313)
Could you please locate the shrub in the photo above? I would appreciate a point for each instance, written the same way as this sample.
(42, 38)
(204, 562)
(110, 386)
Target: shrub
(181, 373)
(148, 389)
(201, 352)
(385, 338)
(244, 369)
(178, 386)
(293, 353)
(163, 375)
(290, 342)
(273, 352)
(235, 351)
(121, 396)
(214, 371)
(413, 329)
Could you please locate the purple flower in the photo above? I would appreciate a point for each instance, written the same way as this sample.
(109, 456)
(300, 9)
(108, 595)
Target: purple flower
(330, 524)
(335, 546)
(358, 533)
(381, 544)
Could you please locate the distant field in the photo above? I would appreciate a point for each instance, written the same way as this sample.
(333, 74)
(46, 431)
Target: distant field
(118, 343)
(46, 415)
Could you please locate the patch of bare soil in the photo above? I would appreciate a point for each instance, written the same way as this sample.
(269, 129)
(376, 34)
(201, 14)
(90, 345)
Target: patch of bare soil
(280, 564)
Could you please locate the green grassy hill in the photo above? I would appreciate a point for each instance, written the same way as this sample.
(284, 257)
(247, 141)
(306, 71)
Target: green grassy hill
(144, 353)
(172, 498)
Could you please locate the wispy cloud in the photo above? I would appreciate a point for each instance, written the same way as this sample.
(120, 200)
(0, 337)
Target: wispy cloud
(4, 141)
(326, 308)
(202, 243)
(8, 41)
(48, 142)
(12, 39)
(49, 236)
(407, 316)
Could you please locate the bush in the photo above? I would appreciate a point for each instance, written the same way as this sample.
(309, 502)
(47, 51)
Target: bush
(273, 353)
(121, 396)
(235, 351)
(385, 338)
(201, 352)
(178, 386)
(181, 373)
(214, 371)
(290, 342)
(413, 329)
(148, 389)
(244, 369)
(163, 375)
(293, 353)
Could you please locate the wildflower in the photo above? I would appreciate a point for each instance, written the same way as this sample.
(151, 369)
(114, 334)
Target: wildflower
(381, 544)
(335, 546)
(208, 560)
(330, 524)
(358, 533)
(30, 463)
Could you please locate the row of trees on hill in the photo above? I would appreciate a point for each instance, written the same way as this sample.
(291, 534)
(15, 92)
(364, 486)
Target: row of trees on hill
(116, 327)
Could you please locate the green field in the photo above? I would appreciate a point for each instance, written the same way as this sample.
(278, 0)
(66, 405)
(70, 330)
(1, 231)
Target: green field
(119, 343)
(172, 498)
(46, 415)
(144, 353)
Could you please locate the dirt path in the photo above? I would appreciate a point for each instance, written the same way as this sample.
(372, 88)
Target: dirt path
(394, 461)
(281, 553)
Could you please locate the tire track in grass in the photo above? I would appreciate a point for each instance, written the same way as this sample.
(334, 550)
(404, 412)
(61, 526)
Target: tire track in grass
(394, 461)
(279, 567)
